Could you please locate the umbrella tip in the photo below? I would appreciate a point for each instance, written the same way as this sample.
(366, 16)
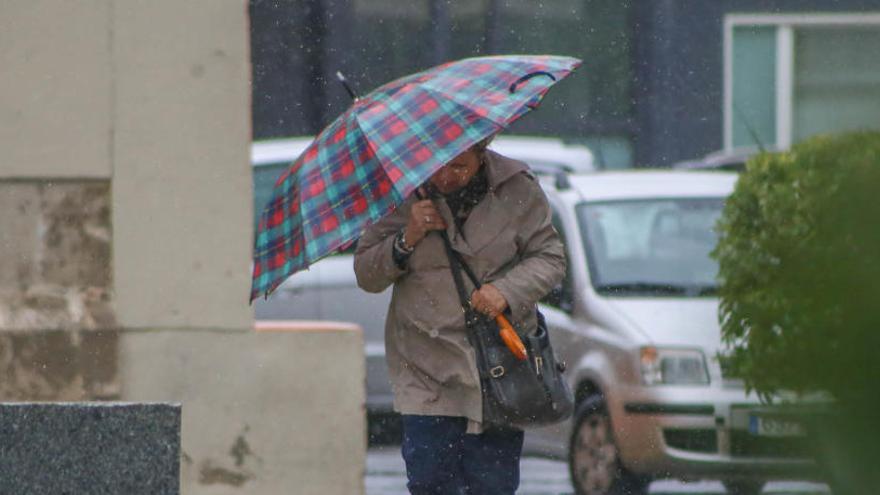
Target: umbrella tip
(347, 87)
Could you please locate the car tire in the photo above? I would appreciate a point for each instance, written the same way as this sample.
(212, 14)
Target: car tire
(744, 487)
(593, 461)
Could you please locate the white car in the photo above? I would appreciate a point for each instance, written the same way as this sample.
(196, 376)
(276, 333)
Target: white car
(636, 320)
(329, 291)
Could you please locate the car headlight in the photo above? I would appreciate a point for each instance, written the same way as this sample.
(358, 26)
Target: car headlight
(669, 366)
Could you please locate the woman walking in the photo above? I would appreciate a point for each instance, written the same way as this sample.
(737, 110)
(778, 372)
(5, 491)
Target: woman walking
(497, 217)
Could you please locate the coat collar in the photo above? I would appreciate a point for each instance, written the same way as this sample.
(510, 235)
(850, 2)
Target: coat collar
(499, 168)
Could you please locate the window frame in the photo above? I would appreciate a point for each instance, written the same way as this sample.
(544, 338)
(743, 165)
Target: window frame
(785, 24)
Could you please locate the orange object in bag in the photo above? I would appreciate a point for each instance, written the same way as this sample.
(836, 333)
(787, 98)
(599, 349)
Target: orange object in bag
(510, 338)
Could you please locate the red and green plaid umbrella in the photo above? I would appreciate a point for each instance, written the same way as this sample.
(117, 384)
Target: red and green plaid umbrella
(387, 144)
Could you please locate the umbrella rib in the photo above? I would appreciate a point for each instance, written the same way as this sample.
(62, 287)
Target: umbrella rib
(401, 196)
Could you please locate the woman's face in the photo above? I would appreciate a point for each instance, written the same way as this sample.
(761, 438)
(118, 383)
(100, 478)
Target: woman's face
(457, 173)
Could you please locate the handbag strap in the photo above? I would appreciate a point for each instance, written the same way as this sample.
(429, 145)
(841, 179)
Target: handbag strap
(455, 265)
(455, 254)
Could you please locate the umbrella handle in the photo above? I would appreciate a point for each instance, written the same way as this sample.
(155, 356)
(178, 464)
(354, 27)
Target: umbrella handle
(529, 76)
(510, 338)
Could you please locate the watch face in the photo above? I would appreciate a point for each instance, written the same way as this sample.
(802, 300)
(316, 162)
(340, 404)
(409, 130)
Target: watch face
(400, 243)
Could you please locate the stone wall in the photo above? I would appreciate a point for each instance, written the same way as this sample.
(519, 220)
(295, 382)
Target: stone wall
(56, 268)
(125, 234)
(58, 336)
(59, 365)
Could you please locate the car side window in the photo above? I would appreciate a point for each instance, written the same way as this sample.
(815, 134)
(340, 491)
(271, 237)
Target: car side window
(561, 296)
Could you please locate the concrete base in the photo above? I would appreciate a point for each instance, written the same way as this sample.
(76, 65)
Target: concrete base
(275, 411)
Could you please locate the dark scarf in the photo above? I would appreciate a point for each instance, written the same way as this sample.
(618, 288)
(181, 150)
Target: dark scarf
(462, 201)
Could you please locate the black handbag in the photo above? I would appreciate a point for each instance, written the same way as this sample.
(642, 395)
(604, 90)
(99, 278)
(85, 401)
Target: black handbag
(515, 392)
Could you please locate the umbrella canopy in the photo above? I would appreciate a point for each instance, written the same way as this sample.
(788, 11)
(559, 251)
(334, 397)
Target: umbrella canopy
(374, 155)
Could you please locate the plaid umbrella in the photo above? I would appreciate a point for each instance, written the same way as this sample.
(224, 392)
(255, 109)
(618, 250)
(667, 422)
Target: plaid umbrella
(367, 161)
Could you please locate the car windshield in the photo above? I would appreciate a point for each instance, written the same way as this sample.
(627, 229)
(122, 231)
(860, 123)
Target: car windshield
(651, 247)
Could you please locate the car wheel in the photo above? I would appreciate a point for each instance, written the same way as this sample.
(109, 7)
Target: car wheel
(744, 487)
(593, 460)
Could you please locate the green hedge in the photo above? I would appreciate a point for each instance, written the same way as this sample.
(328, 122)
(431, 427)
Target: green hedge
(799, 257)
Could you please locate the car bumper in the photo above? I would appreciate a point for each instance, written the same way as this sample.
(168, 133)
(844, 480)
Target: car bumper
(691, 432)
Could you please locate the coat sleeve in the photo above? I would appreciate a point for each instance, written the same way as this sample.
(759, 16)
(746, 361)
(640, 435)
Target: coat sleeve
(541, 264)
(374, 264)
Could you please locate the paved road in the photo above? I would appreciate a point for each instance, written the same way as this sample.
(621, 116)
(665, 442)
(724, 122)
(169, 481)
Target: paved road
(386, 476)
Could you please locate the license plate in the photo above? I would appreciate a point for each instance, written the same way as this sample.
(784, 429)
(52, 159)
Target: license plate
(774, 427)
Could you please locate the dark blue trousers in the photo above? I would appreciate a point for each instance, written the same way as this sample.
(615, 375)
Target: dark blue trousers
(442, 460)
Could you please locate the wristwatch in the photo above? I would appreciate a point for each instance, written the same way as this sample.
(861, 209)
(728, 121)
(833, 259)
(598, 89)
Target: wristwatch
(400, 243)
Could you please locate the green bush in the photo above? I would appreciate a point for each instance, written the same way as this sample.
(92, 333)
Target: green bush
(799, 258)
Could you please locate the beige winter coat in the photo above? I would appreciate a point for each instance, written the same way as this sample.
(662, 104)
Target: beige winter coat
(508, 241)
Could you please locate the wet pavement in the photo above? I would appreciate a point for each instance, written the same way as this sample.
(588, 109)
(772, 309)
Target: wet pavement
(386, 476)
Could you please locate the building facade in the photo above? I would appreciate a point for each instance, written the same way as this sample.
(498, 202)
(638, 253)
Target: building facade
(661, 81)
